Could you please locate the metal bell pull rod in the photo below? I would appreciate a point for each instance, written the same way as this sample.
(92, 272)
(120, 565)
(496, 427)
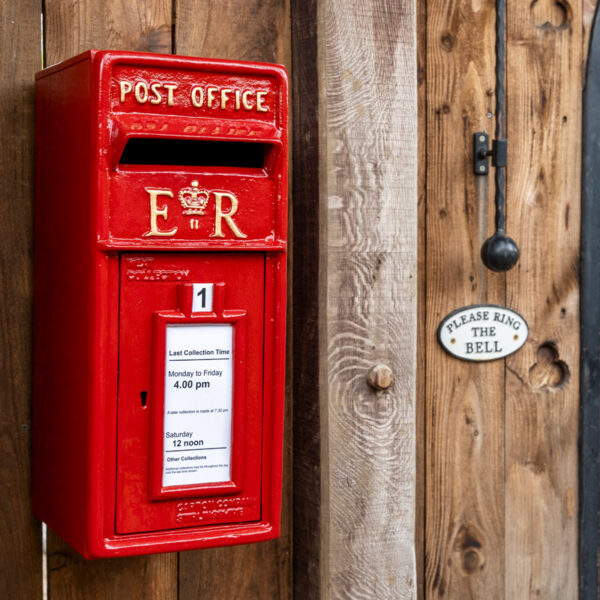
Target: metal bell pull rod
(499, 252)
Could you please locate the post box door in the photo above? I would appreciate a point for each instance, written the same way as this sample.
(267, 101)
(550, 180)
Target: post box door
(189, 446)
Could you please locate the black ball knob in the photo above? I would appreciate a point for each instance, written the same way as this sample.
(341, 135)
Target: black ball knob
(499, 253)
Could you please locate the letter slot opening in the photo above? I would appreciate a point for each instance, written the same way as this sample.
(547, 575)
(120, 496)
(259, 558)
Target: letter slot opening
(194, 153)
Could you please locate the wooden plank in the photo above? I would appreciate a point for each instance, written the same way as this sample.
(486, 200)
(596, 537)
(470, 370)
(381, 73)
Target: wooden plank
(422, 298)
(367, 291)
(355, 213)
(544, 83)
(20, 542)
(307, 352)
(71, 28)
(464, 536)
(255, 30)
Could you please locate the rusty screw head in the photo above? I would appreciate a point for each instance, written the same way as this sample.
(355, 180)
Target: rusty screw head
(380, 377)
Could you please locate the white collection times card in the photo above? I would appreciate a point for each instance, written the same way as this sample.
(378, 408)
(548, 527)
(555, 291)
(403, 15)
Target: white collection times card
(198, 404)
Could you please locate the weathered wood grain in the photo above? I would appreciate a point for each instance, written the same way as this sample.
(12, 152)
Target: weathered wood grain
(256, 30)
(71, 577)
(544, 82)
(70, 28)
(20, 543)
(368, 211)
(464, 413)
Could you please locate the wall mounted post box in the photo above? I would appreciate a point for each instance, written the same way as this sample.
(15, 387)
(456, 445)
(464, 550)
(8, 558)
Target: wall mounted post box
(160, 286)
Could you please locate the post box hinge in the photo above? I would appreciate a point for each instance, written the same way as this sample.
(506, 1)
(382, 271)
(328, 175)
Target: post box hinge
(482, 153)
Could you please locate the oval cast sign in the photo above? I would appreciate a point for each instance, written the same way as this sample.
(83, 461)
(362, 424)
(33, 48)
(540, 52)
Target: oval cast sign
(483, 332)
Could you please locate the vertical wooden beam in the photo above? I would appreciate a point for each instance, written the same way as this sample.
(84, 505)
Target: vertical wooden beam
(542, 401)
(363, 296)
(307, 348)
(20, 543)
(368, 170)
(421, 299)
(255, 30)
(464, 536)
(71, 28)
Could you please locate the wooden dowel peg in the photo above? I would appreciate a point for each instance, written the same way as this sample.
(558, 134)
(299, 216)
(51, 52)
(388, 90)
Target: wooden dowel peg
(380, 377)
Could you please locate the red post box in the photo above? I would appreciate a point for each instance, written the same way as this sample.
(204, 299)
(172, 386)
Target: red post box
(160, 285)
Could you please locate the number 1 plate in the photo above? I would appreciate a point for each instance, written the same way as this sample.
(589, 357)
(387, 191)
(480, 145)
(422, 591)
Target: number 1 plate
(202, 300)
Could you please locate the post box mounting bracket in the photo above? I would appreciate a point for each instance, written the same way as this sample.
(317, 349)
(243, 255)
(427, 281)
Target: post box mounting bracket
(481, 153)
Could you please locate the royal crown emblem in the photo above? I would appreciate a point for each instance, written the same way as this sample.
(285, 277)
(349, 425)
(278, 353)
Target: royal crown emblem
(193, 199)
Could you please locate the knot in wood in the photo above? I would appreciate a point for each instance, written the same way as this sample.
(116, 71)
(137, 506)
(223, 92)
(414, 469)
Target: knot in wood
(380, 377)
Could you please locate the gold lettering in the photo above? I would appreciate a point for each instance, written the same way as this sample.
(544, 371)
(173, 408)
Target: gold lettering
(197, 96)
(220, 215)
(245, 102)
(157, 97)
(260, 98)
(237, 99)
(170, 87)
(141, 92)
(210, 95)
(224, 97)
(156, 212)
(194, 224)
(126, 88)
